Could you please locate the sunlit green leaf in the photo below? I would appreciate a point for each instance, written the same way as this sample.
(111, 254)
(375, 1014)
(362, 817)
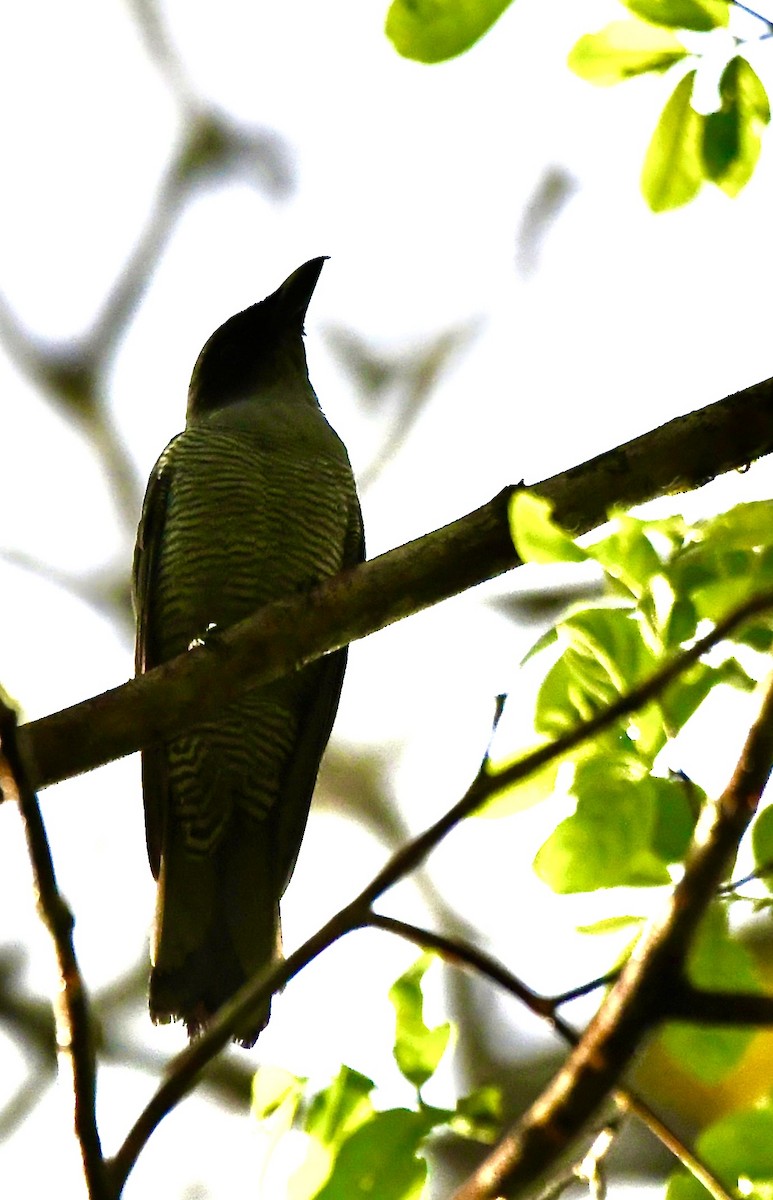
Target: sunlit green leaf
(516, 798)
(543, 642)
(627, 554)
(701, 15)
(379, 1160)
(273, 1088)
(535, 535)
(609, 839)
(418, 1049)
(745, 526)
(603, 656)
(673, 166)
(341, 1108)
(277, 1096)
(432, 31)
(716, 960)
(623, 49)
(610, 925)
(479, 1115)
(762, 845)
(687, 693)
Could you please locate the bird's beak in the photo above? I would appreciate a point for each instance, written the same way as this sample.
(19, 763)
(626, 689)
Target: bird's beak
(293, 297)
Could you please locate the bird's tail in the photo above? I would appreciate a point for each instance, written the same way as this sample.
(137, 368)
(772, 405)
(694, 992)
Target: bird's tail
(217, 925)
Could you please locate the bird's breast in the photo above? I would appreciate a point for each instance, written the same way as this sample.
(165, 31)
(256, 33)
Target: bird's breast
(244, 526)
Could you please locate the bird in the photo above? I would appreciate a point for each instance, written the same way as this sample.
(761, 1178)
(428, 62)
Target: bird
(254, 501)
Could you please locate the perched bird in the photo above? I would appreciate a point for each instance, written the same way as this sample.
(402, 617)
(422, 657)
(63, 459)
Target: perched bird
(253, 502)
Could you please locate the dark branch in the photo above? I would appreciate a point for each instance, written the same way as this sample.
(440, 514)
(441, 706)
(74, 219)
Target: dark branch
(680, 455)
(73, 1020)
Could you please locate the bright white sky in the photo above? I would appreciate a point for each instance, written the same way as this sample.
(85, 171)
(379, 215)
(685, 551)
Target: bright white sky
(415, 180)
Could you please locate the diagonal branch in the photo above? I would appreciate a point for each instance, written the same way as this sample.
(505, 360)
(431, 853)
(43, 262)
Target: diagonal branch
(680, 455)
(527, 1155)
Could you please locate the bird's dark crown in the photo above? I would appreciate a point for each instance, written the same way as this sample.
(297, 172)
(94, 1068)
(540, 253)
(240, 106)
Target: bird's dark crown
(254, 347)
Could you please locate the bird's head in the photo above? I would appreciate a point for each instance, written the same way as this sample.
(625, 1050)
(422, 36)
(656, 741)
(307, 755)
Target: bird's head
(256, 348)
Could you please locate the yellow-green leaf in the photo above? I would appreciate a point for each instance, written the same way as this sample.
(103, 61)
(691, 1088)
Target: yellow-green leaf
(536, 537)
(418, 1049)
(623, 49)
(673, 166)
(431, 31)
(702, 15)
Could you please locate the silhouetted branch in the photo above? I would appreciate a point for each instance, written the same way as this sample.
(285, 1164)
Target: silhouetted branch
(74, 1027)
(291, 633)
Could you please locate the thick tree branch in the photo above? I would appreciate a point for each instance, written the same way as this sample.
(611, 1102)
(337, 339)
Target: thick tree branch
(680, 455)
(73, 1019)
(528, 1154)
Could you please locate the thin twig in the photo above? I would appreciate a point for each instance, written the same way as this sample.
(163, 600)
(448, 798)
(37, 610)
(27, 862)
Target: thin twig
(457, 951)
(75, 1037)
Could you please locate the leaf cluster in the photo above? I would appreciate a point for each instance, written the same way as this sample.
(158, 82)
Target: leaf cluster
(353, 1149)
(689, 147)
(667, 581)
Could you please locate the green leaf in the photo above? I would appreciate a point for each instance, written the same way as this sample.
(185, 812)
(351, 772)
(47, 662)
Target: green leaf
(431, 31)
(609, 840)
(418, 1049)
(688, 692)
(741, 1145)
(747, 526)
(675, 803)
(276, 1097)
(479, 1115)
(716, 960)
(379, 1160)
(604, 655)
(701, 15)
(535, 535)
(732, 136)
(627, 554)
(738, 1149)
(273, 1089)
(520, 796)
(721, 142)
(610, 925)
(622, 50)
(762, 844)
(673, 165)
(341, 1108)
(332, 1116)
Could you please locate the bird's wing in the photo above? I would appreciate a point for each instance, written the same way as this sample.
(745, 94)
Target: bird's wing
(149, 539)
(316, 722)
